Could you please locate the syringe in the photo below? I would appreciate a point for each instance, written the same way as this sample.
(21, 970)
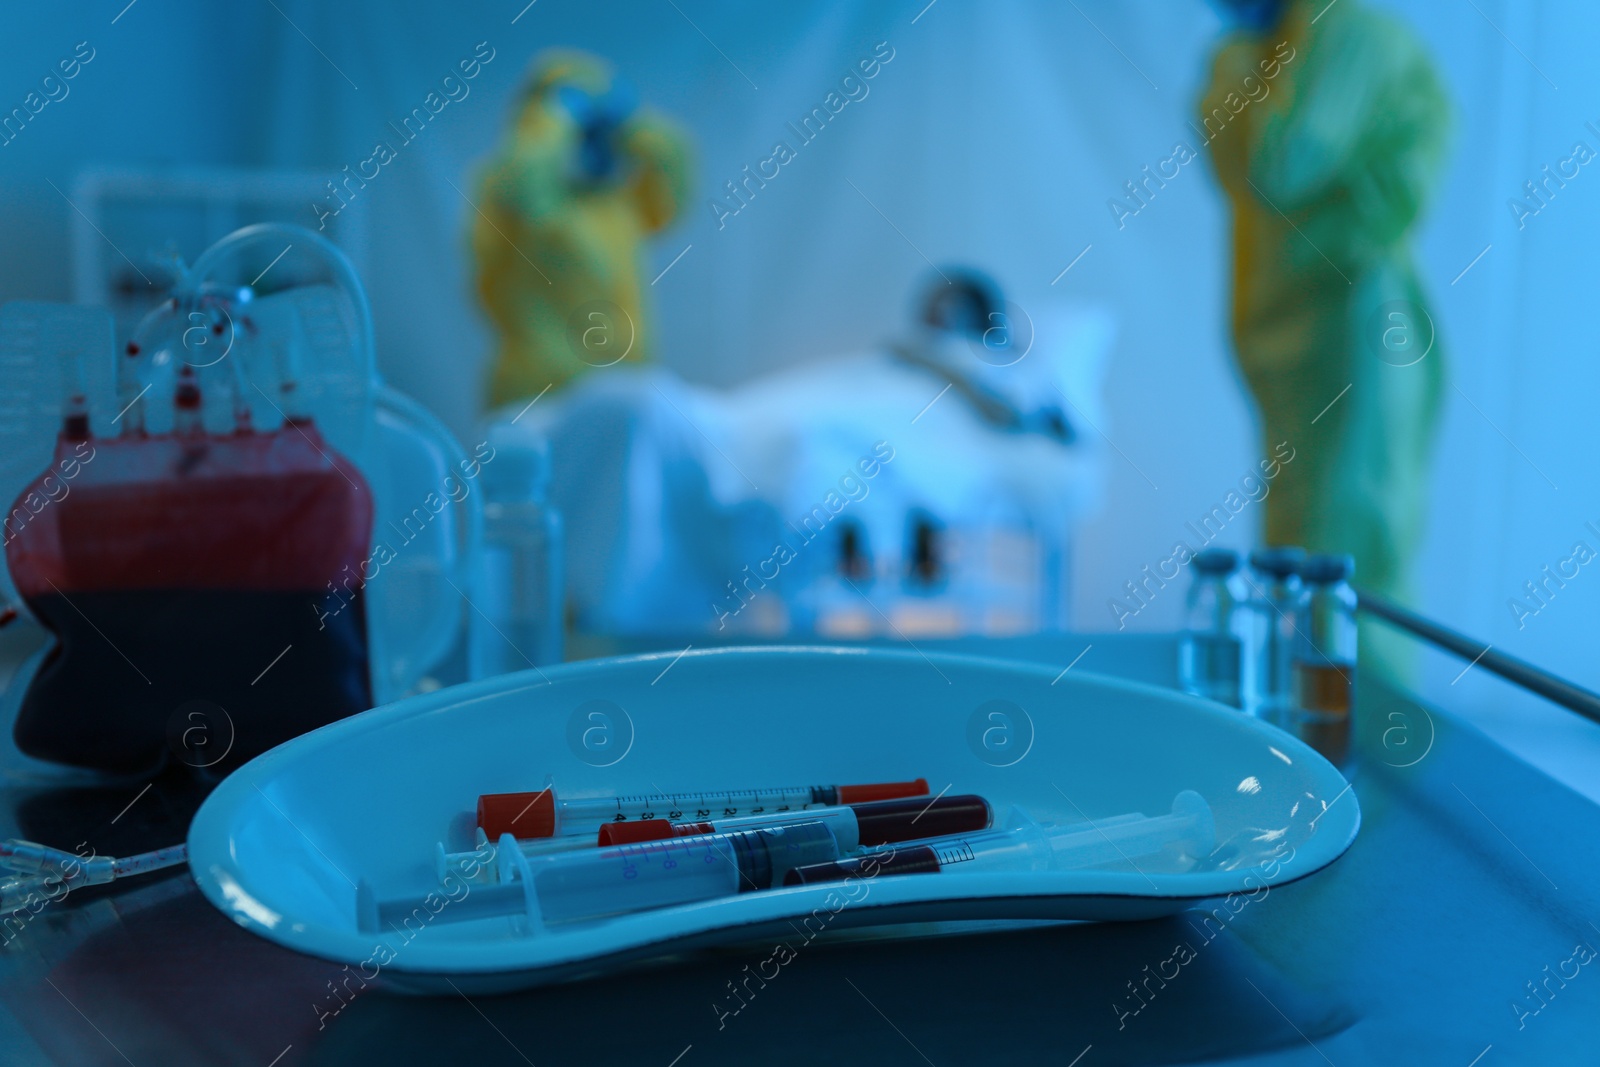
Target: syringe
(876, 823)
(574, 886)
(1030, 846)
(543, 814)
(478, 864)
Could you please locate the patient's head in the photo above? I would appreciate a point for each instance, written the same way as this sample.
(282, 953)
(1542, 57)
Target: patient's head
(961, 301)
(1257, 15)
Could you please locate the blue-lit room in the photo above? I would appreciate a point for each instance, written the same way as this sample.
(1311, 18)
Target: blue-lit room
(689, 533)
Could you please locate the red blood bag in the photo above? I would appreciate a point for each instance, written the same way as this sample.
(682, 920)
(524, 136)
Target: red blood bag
(191, 579)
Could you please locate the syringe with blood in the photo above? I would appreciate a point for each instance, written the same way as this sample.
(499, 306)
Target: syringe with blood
(874, 823)
(544, 814)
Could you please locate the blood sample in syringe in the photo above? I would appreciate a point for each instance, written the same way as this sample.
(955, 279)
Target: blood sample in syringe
(877, 822)
(543, 814)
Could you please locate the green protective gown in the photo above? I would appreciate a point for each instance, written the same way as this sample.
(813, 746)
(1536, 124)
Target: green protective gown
(558, 256)
(1327, 133)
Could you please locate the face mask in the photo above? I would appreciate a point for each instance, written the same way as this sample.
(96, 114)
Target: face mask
(1257, 15)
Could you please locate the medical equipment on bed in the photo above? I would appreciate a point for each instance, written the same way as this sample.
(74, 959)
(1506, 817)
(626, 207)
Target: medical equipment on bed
(1188, 834)
(791, 503)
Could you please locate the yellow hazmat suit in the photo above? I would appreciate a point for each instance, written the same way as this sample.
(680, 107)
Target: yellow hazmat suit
(1326, 133)
(562, 213)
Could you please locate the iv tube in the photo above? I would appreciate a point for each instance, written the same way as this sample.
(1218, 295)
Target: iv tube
(75, 403)
(29, 871)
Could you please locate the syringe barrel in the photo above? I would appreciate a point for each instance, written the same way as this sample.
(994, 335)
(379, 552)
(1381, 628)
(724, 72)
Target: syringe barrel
(658, 874)
(1028, 846)
(842, 821)
(857, 825)
(594, 884)
(906, 859)
(588, 814)
(480, 861)
(1020, 848)
(1189, 827)
(634, 877)
(409, 913)
(543, 814)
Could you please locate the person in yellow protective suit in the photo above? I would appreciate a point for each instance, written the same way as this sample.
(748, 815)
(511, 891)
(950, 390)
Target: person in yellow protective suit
(1327, 124)
(562, 214)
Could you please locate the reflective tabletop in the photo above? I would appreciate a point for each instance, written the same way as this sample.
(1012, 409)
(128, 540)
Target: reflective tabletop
(1454, 932)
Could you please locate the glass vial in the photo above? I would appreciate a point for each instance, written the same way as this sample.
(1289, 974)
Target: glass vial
(518, 621)
(1275, 605)
(1324, 662)
(1210, 649)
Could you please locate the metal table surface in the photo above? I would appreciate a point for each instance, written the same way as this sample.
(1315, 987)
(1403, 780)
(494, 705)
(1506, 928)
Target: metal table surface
(1457, 931)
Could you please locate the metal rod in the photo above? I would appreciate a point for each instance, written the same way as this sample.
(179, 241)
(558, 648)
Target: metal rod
(1551, 687)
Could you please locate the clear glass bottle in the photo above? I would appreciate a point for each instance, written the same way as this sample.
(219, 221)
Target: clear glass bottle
(1210, 649)
(1324, 662)
(517, 621)
(1277, 601)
